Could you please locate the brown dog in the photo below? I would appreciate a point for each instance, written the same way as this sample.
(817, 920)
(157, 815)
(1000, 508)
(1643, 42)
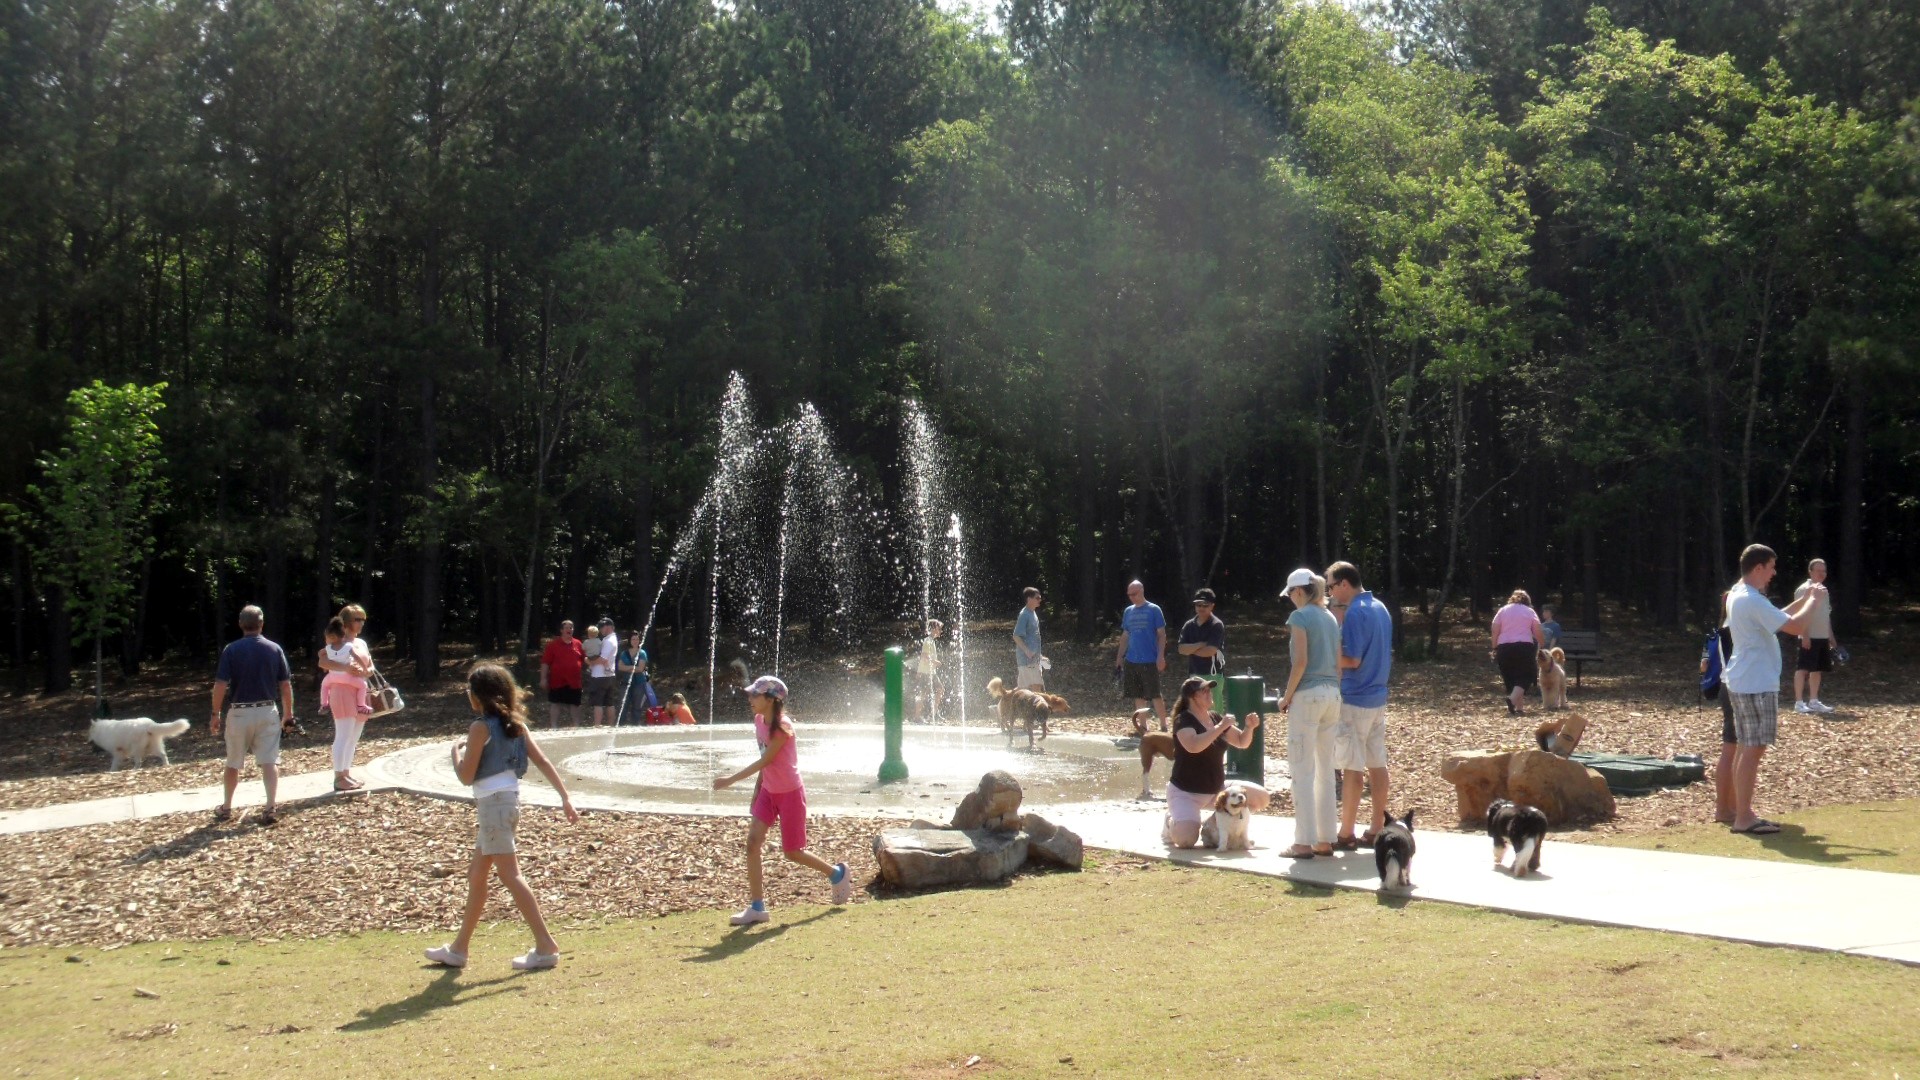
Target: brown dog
(1153, 744)
(1553, 679)
(1024, 708)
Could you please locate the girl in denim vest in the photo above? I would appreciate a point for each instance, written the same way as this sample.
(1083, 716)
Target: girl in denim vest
(498, 750)
(777, 796)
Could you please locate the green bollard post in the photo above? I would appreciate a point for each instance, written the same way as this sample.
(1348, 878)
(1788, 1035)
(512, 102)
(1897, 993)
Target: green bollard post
(893, 767)
(1248, 694)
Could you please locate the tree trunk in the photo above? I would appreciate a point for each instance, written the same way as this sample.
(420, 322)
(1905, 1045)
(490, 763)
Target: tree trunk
(59, 642)
(1850, 584)
(426, 639)
(1589, 576)
(323, 608)
(133, 643)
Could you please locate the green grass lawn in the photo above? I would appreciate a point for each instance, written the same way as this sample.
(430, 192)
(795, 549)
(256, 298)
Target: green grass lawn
(1123, 970)
(1855, 836)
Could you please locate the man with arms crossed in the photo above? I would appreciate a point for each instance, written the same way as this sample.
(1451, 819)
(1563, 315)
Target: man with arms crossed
(560, 665)
(1142, 654)
(1203, 641)
(1026, 643)
(254, 676)
(1753, 674)
(1360, 739)
(1816, 645)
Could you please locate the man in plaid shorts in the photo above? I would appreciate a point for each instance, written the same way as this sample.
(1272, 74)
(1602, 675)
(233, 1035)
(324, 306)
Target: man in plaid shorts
(1752, 677)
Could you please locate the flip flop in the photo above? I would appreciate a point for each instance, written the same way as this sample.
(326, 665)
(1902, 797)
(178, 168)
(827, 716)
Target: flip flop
(1759, 828)
(1298, 853)
(222, 813)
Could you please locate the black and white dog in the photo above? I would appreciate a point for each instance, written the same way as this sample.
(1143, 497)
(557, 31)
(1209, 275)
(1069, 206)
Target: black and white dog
(1524, 827)
(1393, 852)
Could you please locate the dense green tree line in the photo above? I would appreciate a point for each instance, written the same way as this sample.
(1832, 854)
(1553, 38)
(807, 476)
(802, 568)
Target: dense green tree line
(1479, 293)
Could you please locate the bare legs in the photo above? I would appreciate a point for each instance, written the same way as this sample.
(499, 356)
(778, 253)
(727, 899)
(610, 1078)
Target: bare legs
(1725, 806)
(1746, 776)
(508, 867)
(269, 778)
(756, 876)
(1350, 800)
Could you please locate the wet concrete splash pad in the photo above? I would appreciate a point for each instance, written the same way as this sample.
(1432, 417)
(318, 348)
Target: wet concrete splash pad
(672, 769)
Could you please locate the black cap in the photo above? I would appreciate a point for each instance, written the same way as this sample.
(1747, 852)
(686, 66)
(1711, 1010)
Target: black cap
(1204, 596)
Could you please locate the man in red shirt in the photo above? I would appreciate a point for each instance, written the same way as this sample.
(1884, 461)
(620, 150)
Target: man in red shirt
(560, 664)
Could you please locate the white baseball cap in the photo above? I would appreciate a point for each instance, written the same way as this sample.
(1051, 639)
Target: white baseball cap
(1300, 579)
(769, 685)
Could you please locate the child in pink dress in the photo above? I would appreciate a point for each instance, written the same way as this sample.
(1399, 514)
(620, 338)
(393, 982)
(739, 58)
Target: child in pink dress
(777, 796)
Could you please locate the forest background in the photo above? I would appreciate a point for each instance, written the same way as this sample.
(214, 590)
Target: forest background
(1476, 293)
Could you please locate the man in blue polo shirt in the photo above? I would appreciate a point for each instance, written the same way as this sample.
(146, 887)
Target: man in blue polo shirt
(1142, 654)
(253, 676)
(1360, 738)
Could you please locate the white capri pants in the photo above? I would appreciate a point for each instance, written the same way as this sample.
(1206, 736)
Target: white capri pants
(1312, 724)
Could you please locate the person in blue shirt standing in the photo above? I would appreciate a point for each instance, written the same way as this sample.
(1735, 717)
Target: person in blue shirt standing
(1360, 739)
(1030, 673)
(1142, 654)
(255, 688)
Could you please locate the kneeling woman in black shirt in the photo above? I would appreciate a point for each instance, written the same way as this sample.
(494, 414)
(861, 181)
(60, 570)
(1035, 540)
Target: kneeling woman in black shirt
(1200, 740)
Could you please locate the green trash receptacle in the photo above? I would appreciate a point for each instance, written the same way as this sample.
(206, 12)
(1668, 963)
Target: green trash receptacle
(1248, 694)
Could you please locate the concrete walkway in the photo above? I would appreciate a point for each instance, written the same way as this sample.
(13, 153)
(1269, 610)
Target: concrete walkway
(1864, 912)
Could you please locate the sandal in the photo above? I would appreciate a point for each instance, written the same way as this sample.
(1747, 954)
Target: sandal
(1298, 853)
(347, 785)
(1763, 827)
(1327, 854)
(223, 813)
(1368, 838)
(267, 817)
(1345, 843)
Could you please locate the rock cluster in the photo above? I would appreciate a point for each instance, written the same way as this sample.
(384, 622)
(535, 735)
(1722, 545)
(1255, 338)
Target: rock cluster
(987, 840)
(1566, 791)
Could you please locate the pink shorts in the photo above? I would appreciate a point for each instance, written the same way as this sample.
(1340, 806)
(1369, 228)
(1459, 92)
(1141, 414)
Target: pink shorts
(790, 808)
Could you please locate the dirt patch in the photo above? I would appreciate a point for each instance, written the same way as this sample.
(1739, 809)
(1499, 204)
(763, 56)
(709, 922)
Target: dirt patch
(387, 861)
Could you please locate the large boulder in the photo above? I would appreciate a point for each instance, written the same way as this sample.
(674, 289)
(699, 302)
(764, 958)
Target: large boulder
(930, 858)
(995, 804)
(1478, 777)
(1049, 843)
(1568, 792)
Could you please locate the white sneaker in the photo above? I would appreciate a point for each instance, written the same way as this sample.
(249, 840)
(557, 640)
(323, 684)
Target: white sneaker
(1801, 707)
(1819, 706)
(535, 960)
(843, 889)
(446, 957)
(747, 916)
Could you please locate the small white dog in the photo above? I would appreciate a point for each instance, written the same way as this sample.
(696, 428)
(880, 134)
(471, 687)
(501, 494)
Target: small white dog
(1226, 828)
(134, 740)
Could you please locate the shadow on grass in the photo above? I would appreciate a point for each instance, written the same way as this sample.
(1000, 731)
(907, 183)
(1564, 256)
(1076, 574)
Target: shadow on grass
(443, 991)
(740, 939)
(1795, 842)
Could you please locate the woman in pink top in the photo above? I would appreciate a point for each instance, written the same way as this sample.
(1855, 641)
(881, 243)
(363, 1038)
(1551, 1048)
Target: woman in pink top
(777, 796)
(1517, 641)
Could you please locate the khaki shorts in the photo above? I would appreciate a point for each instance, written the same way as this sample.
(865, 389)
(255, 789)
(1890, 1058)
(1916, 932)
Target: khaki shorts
(600, 691)
(498, 813)
(1360, 739)
(255, 730)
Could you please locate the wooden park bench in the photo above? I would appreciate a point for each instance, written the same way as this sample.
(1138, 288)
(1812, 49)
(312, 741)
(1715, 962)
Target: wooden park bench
(1581, 647)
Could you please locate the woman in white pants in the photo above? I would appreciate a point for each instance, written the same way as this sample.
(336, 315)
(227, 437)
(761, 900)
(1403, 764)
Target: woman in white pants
(345, 692)
(1312, 709)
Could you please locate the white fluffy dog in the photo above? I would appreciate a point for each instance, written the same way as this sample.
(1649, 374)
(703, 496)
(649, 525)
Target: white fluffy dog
(1226, 828)
(134, 740)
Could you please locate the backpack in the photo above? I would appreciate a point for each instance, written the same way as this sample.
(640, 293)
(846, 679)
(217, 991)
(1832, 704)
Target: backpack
(1710, 679)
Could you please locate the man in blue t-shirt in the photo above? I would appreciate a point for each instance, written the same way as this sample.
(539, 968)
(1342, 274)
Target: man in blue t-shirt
(1142, 654)
(1360, 738)
(255, 686)
(1029, 672)
(1752, 676)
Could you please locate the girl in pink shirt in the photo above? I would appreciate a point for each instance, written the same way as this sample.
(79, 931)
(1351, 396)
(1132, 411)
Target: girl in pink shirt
(779, 796)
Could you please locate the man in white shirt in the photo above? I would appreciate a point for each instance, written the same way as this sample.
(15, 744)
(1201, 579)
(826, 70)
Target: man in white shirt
(1816, 646)
(603, 675)
(1753, 675)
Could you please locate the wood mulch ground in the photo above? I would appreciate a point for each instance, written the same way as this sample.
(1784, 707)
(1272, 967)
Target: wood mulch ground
(386, 861)
(393, 861)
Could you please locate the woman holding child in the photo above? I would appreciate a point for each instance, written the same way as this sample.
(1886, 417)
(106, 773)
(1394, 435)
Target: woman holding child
(348, 663)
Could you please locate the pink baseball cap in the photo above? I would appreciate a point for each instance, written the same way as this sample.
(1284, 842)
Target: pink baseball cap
(769, 685)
